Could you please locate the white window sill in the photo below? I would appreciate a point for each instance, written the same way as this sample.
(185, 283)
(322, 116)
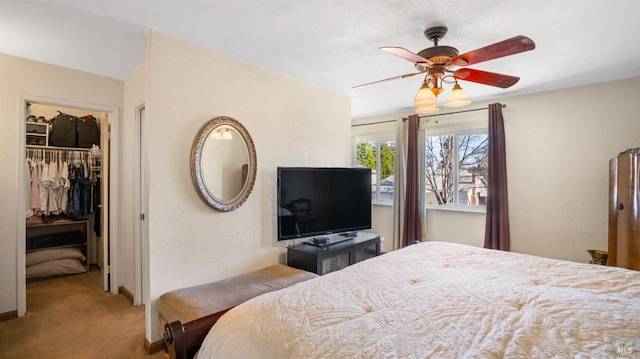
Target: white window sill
(454, 208)
(382, 204)
(451, 208)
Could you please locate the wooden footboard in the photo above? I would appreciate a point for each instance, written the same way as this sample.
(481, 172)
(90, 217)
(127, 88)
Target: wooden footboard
(184, 339)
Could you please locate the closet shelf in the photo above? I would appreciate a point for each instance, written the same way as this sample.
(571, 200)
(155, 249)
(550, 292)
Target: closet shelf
(35, 230)
(59, 223)
(37, 134)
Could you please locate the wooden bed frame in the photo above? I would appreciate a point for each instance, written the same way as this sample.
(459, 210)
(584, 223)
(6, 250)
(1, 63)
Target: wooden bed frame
(182, 340)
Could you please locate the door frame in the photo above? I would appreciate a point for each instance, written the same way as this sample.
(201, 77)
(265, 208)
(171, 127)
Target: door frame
(114, 228)
(141, 205)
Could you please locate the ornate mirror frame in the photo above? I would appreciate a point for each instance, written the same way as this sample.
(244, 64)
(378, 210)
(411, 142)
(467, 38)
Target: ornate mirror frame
(197, 173)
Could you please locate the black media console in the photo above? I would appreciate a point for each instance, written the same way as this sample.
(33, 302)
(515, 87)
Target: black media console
(340, 252)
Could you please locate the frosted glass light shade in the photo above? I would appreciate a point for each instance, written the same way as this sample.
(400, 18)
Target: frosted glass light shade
(427, 109)
(215, 135)
(425, 97)
(457, 98)
(226, 135)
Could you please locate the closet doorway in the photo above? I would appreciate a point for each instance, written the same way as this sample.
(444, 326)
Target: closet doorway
(101, 241)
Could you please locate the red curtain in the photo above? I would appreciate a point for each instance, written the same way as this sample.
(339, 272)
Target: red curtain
(412, 226)
(496, 234)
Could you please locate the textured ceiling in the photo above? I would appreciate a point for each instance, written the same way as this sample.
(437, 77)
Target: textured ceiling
(334, 44)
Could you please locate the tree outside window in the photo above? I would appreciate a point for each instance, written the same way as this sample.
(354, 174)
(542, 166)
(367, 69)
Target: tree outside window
(379, 156)
(456, 168)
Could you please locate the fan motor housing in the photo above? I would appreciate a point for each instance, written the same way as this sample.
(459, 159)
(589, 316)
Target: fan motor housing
(439, 55)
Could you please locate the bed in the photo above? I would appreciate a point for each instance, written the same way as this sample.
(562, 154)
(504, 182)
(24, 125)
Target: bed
(440, 300)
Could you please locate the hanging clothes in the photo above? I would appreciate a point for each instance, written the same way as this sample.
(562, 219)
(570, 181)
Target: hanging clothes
(74, 191)
(64, 186)
(35, 189)
(52, 184)
(85, 188)
(58, 182)
(27, 184)
(96, 207)
(43, 173)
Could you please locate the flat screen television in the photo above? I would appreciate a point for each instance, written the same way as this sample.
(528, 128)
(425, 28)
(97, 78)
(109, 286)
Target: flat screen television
(322, 201)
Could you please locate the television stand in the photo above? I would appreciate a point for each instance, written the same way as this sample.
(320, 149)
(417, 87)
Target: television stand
(334, 256)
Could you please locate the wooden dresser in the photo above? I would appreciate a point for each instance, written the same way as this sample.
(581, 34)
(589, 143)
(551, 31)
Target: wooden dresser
(624, 204)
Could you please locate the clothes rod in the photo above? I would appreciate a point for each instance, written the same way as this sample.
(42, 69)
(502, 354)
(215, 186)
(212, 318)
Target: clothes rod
(49, 148)
(425, 116)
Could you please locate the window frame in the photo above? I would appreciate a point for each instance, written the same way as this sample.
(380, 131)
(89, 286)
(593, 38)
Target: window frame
(378, 138)
(455, 131)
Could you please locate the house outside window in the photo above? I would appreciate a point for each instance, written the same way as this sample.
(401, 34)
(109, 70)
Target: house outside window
(378, 153)
(456, 164)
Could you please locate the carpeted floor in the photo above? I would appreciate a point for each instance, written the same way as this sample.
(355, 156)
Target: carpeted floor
(72, 317)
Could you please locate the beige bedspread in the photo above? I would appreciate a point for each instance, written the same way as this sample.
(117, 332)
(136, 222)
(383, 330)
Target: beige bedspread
(441, 300)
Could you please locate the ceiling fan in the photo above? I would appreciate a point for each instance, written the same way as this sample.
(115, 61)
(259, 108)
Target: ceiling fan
(438, 63)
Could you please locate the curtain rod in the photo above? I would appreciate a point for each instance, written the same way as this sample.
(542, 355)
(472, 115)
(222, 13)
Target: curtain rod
(425, 116)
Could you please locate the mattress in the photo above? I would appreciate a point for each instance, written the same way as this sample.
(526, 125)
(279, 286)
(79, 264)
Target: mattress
(441, 300)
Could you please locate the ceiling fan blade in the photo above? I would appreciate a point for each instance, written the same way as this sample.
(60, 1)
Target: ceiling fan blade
(389, 79)
(406, 54)
(486, 78)
(512, 46)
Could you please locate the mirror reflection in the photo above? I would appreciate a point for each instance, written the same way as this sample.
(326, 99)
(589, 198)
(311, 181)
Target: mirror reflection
(225, 160)
(223, 163)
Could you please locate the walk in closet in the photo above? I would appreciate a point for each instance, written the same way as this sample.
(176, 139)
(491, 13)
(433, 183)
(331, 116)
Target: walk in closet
(64, 190)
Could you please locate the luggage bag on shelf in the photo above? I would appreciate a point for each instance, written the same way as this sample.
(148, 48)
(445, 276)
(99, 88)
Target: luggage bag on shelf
(64, 130)
(71, 131)
(88, 132)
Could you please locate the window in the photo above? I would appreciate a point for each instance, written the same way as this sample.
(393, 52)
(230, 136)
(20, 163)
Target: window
(378, 154)
(456, 164)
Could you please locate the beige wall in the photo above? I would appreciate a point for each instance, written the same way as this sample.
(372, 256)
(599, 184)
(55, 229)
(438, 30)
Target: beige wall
(29, 78)
(382, 223)
(291, 124)
(558, 147)
(135, 90)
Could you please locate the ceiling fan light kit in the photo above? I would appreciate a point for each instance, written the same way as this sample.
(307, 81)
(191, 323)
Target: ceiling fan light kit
(425, 96)
(457, 97)
(438, 62)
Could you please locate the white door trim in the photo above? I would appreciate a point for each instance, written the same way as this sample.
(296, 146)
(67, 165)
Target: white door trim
(140, 204)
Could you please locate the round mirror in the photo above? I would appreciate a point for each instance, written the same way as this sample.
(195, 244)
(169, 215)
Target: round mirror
(223, 163)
